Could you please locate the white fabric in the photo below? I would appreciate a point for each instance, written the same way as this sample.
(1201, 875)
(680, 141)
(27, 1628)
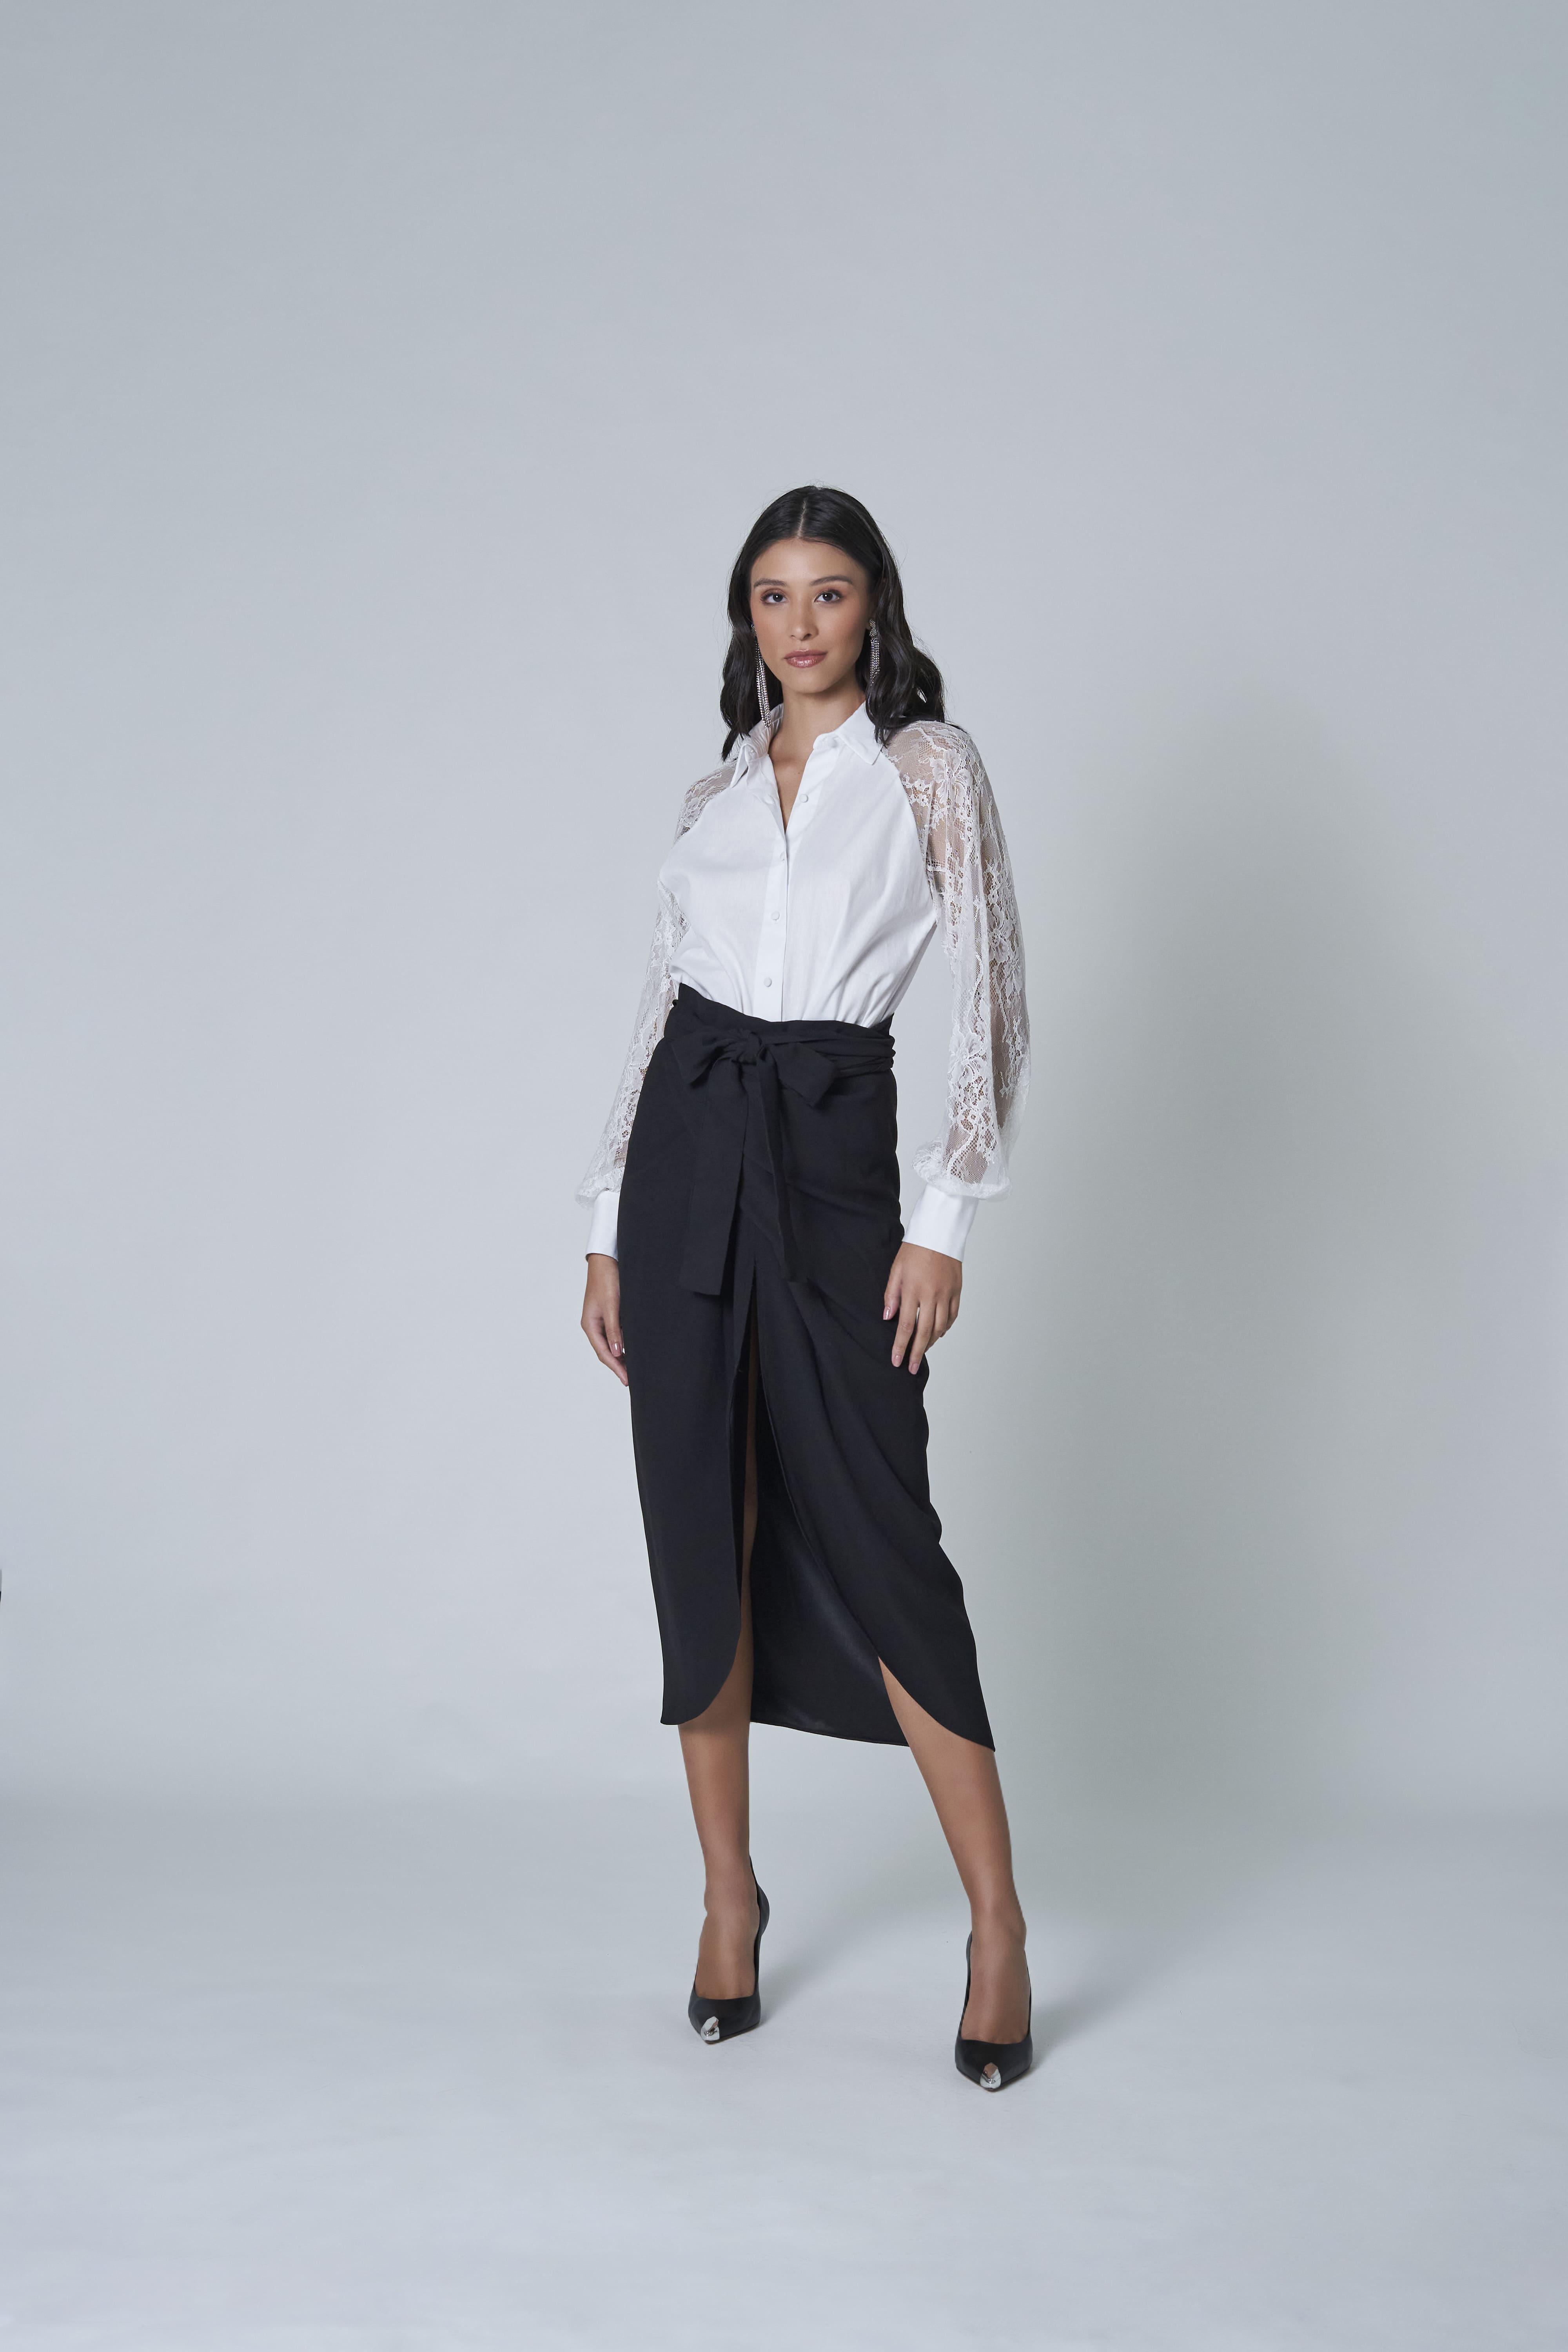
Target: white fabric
(827, 918)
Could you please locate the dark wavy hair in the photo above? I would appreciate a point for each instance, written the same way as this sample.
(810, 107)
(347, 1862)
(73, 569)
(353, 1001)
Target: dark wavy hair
(909, 683)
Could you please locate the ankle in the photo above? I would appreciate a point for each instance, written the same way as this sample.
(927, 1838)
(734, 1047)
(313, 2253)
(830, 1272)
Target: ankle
(1004, 1920)
(728, 1891)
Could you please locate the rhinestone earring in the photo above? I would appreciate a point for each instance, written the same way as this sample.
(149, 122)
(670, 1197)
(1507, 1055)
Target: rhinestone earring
(876, 660)
(763, 704)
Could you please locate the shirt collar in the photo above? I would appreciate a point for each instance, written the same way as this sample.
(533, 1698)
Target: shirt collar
(856, 734)
(751, 749)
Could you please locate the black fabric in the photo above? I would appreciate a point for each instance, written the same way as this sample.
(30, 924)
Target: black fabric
(762, 1175)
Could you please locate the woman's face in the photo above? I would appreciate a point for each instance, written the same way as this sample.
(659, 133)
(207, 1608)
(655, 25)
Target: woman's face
(810, 605)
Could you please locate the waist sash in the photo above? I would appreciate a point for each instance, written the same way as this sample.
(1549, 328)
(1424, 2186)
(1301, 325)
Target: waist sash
(740, 1063)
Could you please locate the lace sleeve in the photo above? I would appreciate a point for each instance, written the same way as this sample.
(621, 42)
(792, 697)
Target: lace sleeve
(609, 1159)
(988, 1053)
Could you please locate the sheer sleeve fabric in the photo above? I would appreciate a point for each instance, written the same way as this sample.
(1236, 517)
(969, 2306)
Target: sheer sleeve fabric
(970, 871)
(608, 1163)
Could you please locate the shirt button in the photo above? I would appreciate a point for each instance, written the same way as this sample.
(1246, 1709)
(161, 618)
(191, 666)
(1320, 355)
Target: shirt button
(775, 919)
(767, 983)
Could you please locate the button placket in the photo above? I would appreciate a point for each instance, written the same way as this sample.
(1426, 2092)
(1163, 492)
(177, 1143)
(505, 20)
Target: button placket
(768, 975)
(768, 970)
(774, 937)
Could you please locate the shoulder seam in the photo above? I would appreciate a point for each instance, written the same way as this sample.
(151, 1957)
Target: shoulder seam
(946, 731)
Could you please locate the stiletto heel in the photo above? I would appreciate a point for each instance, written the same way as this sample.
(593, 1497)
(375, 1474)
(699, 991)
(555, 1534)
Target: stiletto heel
(721, 2020)
(991, 2064)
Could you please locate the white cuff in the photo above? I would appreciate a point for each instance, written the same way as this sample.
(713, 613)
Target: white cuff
(942, 1221)
(603, 1220)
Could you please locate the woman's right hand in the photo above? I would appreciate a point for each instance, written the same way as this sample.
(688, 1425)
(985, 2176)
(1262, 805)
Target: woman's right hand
(602, 1313)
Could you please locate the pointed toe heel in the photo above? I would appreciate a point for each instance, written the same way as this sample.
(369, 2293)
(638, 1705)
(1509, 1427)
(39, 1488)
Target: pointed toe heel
(721, 2020)
(992, 2065)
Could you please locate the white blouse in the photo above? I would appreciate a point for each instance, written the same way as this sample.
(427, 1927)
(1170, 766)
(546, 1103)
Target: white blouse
(827, 918)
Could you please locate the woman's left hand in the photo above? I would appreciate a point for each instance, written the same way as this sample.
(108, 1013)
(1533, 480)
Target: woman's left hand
(923, 1291)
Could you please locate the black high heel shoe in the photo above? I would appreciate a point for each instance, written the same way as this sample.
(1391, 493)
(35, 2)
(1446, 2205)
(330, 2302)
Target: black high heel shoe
(991, 2064)
(721, 2020)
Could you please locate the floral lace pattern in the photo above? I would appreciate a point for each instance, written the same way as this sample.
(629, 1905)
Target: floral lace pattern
(988, 1049)
(971, 877)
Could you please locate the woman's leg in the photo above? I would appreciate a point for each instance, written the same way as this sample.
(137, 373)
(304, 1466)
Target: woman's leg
(715, 1748)
(967, 1794)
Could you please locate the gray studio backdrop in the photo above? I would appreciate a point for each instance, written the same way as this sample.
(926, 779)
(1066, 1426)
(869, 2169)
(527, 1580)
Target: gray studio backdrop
(386, 388)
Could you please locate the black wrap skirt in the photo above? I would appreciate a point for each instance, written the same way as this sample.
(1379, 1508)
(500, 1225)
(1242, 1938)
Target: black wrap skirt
(762, 1177)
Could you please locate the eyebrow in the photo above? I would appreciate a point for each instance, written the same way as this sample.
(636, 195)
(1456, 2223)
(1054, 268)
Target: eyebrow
(821, 580)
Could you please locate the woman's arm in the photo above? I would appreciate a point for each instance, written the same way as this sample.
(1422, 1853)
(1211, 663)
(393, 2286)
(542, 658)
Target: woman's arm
(601, 1187)
(988, 1053)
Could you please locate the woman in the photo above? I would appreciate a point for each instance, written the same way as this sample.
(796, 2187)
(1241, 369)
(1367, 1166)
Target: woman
(745, 1242)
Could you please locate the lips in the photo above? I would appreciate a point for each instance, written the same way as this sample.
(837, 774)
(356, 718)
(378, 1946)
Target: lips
(803, 661)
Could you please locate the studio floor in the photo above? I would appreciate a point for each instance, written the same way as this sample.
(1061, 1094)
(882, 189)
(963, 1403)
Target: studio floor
(420, 2076)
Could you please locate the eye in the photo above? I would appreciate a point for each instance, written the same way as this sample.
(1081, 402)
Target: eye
(832, 596)
(772, 596)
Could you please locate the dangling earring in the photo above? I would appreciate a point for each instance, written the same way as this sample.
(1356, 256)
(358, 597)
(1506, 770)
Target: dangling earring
(876, 660)
(763, 705)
